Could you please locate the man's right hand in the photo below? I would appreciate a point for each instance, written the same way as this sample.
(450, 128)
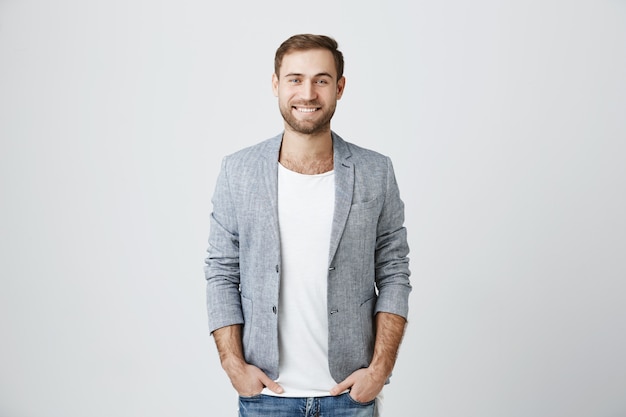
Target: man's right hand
(248, 380)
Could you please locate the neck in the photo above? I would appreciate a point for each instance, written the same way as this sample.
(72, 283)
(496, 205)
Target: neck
(307, 146)
(307, 154)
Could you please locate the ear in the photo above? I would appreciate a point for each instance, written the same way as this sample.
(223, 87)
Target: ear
(275, 84)
(341, 84)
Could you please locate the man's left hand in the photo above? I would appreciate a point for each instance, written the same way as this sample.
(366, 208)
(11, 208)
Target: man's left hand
(363, 384)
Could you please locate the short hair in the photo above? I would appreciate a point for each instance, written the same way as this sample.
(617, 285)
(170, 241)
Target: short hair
(304, 42)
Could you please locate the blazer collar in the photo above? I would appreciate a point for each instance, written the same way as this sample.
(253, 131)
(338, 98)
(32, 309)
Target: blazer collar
(344, 184)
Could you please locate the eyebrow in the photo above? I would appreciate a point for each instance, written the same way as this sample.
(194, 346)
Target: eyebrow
(297, 74)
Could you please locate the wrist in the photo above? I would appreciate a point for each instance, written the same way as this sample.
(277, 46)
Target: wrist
(379, 372)
(233, 364)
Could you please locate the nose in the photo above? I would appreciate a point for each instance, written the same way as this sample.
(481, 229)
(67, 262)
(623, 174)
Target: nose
(307, 92)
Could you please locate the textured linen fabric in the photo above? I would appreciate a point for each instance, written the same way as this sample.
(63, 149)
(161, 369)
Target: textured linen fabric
(368, 258)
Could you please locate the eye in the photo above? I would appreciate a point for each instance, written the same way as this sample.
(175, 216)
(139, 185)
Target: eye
(322, 81)
(293, 80)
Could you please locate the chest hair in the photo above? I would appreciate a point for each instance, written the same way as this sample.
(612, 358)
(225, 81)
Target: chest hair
(308, 166)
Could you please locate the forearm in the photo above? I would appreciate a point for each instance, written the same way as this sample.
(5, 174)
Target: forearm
(389, 332)
(366, 383)
(230, 348)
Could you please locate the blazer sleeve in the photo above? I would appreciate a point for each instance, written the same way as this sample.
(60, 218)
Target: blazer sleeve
(392, 262)
(222, 264)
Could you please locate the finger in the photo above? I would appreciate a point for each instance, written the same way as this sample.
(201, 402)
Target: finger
(270, 384)
(342, 386)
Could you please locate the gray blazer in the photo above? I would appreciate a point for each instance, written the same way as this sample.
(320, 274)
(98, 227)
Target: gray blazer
(367, 265)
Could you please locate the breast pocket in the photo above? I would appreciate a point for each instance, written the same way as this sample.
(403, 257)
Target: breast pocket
(360, 231)
(364, 205)
(364, 216)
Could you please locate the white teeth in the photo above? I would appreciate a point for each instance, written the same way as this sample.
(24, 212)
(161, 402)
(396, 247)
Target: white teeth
(306, 110)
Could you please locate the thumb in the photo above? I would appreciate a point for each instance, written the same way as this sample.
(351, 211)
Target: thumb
(342, 386)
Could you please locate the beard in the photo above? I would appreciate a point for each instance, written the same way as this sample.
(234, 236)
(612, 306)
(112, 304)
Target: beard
(307, 127)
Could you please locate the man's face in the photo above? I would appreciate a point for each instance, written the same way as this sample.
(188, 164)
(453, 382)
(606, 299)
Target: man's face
(307, 90)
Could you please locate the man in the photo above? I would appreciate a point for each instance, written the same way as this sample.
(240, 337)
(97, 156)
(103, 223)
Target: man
(307, 273)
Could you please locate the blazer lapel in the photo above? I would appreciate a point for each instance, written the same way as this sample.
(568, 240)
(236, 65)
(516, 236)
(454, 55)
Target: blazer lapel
(269, 167)
(344, 186)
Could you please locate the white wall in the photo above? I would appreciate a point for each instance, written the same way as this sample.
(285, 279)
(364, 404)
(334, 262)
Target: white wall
(506, 123)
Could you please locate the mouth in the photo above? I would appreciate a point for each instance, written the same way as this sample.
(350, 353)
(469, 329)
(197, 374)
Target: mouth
(307, 110)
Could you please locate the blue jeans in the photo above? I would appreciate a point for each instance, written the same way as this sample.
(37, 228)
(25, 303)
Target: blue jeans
(340, 406)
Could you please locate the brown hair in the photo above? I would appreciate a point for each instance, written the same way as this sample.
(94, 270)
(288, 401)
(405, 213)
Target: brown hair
(305, 42)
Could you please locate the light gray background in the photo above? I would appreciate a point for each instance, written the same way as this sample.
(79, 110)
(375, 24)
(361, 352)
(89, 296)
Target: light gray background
(506, 122)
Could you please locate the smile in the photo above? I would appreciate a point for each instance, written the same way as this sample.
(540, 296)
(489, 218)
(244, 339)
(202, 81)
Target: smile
(306, 109)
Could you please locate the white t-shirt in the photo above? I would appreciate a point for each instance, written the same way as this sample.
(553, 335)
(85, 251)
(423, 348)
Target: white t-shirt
(305, 216)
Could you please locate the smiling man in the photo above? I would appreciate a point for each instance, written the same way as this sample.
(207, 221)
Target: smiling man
(302, 91)
(307, 272)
